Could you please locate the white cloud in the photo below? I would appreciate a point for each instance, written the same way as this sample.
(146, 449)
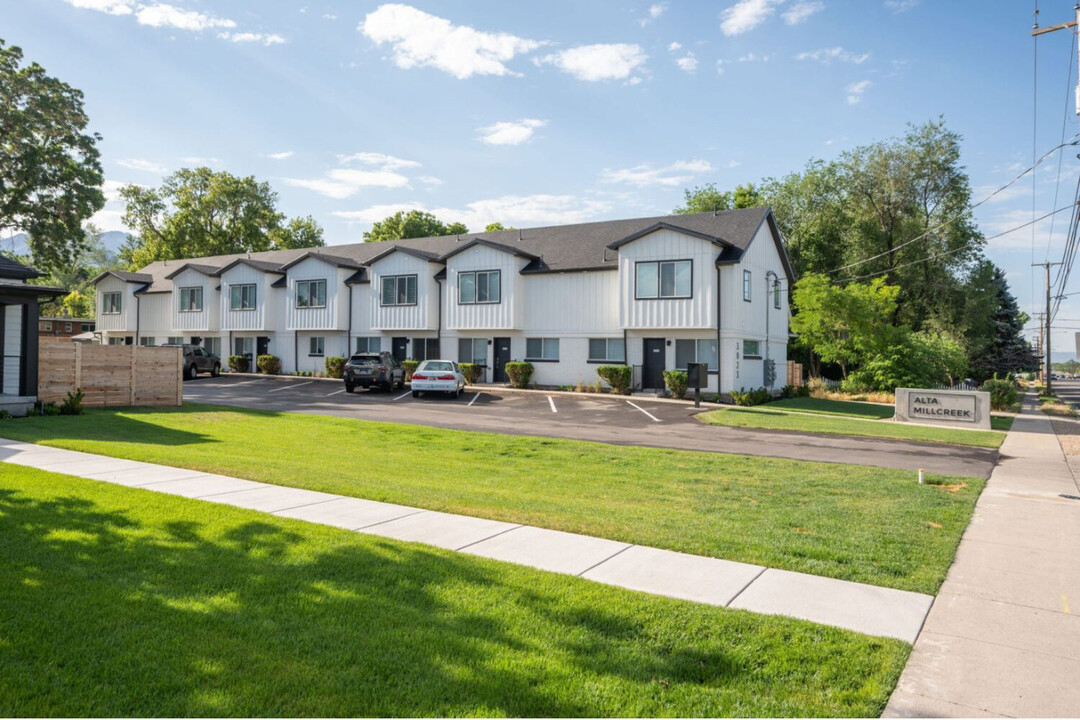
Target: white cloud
(420, 39)
(112, 7)
(510, 133)
(825, 56)
(143, 165)
(329, 16)
(899, 6)
(1020, 237)
(800, 12)
(163, 15)
(519, 210)
(281, 155)
(719, 67)
(674, 47)
(746, 15)
(655, 11)
(645, 175)
(381, 160)
(252, 37)
(754, 57)
(192, 160)
(341, 183)
(429, 180)
(855, 91)
(593, 63)
(689, 63)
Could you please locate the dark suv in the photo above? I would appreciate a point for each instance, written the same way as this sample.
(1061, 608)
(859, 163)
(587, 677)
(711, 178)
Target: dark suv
(197, 360)
(367, 369)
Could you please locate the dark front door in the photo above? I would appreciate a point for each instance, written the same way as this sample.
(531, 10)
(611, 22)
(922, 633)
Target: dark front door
(262, 346)
(502, 356)
(401, 349)
(653, 370)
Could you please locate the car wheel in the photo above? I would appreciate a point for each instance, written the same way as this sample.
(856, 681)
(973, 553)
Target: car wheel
(215, 371)
(349, 387)
(416, 393)
(193, 372)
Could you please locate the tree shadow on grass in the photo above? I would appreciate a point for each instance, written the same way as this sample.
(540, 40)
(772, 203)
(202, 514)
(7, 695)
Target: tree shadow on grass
(118, 602)
(123, 425)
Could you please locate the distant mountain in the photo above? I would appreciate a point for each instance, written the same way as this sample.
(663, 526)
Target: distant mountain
(18, 244)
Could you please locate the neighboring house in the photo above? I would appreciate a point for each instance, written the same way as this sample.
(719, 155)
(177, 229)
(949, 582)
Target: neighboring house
(654, 293)
(64, 328)
(18, 341)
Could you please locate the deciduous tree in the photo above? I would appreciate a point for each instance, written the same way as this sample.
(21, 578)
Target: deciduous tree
(412, 224)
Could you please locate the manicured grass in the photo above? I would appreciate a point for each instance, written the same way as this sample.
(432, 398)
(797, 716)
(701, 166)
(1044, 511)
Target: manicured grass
(763, 417)
(856, 523)
(1001, 422)
(846, 408)
(124, 602)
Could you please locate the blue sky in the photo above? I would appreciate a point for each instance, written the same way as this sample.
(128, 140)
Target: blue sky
(554, 112)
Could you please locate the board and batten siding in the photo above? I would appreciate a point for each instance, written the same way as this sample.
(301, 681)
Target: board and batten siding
(424, 315)
(747, 319)
(503, 315)
(258, 318)
(12, 348)
(155, 316)
(362, 303)
(696, 312)
(334, 315)
(558, 304)
(124, 321)
(205, 320)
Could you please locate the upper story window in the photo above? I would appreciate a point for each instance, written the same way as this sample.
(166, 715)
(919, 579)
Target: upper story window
(663, 279)
(776, 295)
(241, 297)
(398, 290)
(746, 285)
(482, 286)
(191, 299)
(310, 293)
(110, 303)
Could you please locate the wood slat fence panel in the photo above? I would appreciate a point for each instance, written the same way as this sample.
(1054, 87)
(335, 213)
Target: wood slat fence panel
(111, 375)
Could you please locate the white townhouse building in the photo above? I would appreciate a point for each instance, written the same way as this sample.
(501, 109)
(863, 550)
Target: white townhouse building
(654, 293)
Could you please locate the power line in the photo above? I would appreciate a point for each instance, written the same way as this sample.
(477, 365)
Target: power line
(1061, 157)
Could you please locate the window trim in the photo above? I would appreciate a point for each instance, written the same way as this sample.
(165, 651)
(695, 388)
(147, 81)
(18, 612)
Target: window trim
(476, 287)
(658, 263)
(747, 286)
(105, 296)
(776, 295)
(712, 371)
(311, 343)
(189, 289)
(241, 287)
(309, 306)
(608, 361)
(395, 278)
(542, 359)
(755, 356)
(367, 339)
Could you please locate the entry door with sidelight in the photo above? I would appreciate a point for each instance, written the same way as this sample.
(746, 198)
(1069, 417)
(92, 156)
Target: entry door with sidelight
(501, 357)
(653, 365)
(400, 348)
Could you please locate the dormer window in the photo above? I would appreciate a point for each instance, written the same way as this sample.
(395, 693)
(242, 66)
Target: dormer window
(665, 279)
(398, 290)
(242, 297)
(310, 293)
(191, 299)
(484, 286)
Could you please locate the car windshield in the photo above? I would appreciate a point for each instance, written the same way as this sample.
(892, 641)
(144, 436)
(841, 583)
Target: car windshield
(437, 366)
(365, 360)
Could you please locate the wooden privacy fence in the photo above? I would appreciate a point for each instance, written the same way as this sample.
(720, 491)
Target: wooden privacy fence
(110, 375)
(794, 374)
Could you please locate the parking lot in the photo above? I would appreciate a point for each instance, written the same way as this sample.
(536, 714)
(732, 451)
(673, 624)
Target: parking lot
(637, 420)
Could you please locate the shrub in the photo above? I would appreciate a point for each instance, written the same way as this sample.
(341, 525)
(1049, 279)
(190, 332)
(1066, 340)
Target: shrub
(410, 367)
(1004, 394)
(5, 415)
(519, 373)
(795, 391)
(335, 366)
(73, 403)
(268, 364)
(758, 396)
(50, 409)
(617, 376)
(471, 371)
(676, 382)
(238, 363)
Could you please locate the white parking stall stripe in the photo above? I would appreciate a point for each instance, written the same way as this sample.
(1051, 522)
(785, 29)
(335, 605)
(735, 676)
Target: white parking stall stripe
(475, 398)
(403, 395)
(551, 402)
(655, 419)
(247, 382)
(290, 385)
(336, 392)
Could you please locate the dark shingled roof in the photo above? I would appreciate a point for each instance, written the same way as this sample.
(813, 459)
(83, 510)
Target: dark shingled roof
(139, 277)
(197, 267)
(558, 248)
(257, 264)
(16, 270)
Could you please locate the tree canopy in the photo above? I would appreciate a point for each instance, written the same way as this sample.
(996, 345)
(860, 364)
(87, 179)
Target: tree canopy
(50, 168)
(412, 224)
(198, 212)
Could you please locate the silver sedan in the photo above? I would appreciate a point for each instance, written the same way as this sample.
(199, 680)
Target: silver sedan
(438, 376)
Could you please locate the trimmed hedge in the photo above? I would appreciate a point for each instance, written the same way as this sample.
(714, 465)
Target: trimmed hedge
(519, 373)
(238, 363)
(758, 396)
(268, 364)
(676, 383)
(471, 371)
(335, 366)
(617, 376)
(410, 367)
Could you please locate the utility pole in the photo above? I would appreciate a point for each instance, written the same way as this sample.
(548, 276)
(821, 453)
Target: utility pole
(1046, 341)
(1074, 23)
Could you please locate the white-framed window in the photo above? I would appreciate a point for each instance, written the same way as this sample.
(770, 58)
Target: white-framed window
(746, 286)
(242, 297)
(243, 346)
(316, 346)
(472, 350)
(425, 349)
(175, 340)
(607, 350)
(663, 279)
(117, 341)
(111, 303)
(191, 299)
(776, 295)
(67, 327)
(479, 287)
(310, 293)
(697, 351)
(751, 348)
(398, 290)
(147, 341)
(46, 326)
(542, 349)
(368, 344)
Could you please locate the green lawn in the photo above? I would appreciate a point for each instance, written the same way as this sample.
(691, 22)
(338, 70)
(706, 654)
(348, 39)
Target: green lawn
(846, 408)
(124, 602)
(768, 417)
(856, 523)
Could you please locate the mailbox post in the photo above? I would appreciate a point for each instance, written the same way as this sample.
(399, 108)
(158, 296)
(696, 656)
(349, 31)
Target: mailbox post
(696, 375)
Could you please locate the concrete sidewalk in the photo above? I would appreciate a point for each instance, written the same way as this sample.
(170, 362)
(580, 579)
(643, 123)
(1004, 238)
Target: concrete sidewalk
(863, 608)
(1001, 639)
